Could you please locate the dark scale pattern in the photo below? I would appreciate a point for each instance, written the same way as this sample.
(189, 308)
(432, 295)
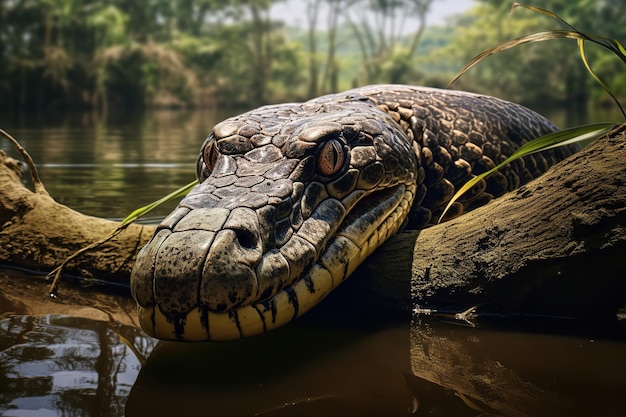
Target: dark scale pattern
(279, 181)
(463, 135)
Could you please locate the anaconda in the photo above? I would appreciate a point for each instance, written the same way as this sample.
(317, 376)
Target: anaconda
(293, 197)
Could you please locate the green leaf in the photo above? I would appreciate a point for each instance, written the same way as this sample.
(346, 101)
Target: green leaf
(611, 44)
(542, 143)
(542, 11)
(583, 56)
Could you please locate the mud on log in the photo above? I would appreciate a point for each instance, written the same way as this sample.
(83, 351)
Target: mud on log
(555, 243)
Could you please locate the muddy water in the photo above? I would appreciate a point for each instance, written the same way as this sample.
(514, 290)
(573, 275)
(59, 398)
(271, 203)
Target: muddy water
(84, 356)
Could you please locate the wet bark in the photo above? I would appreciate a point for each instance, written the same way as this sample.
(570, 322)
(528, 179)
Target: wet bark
(37, 233)
(557, 243)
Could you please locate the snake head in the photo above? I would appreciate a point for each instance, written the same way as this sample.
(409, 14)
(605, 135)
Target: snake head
(291, 199)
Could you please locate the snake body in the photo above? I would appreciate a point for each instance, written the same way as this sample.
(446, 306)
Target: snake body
(293, 197)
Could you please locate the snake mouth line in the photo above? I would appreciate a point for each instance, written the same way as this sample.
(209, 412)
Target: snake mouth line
(365, 228)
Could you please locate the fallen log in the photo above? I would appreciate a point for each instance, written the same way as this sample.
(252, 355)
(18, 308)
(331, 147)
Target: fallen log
(38, 234)
(554, 246)
(555, 243)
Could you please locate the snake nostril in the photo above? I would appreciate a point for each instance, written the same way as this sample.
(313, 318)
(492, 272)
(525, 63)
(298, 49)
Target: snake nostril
(246, 238)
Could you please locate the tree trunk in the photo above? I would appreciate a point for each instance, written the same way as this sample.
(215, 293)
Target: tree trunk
(555, 245)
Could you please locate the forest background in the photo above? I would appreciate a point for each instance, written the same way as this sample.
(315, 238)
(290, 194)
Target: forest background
(124, 55)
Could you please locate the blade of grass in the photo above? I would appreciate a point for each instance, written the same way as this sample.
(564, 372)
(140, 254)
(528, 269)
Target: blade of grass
(142, 211)
(611, 44)
(542, 11)
(583, 56)
(506, 45)
(549, 141)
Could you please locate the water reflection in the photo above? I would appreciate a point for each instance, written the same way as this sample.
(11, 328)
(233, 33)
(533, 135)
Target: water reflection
(63, 365)
(79, 356)
(512, 371)
(84, 355)
(298, 370)
(430, 368)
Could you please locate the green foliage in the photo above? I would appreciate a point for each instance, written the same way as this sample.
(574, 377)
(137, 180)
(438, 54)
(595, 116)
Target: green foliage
(85, 53)
(109, 23)
(560, 138)
(547, 74)
(572, 33)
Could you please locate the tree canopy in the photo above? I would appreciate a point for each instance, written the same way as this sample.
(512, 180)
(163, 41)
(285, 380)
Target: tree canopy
(177, 53)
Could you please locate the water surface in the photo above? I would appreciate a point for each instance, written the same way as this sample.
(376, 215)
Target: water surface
(109, 168)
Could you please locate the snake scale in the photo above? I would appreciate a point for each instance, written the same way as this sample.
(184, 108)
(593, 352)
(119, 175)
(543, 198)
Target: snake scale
(293, 197)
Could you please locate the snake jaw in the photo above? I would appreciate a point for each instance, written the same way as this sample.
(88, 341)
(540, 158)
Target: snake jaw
(355, 239)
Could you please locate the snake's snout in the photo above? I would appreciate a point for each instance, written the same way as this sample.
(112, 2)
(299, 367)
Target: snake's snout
(228, 278)
(214, 250)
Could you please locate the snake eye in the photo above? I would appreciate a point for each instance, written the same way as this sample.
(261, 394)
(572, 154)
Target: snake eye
(331, 158)
(207, 159)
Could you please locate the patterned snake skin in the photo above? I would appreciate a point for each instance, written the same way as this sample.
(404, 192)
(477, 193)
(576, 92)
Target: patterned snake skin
(293, 197)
